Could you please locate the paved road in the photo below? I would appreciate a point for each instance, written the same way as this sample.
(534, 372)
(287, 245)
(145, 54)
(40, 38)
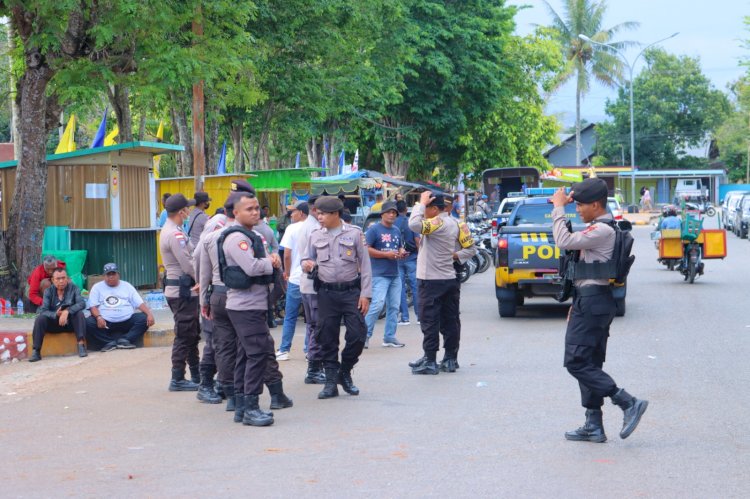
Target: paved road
(106, 425)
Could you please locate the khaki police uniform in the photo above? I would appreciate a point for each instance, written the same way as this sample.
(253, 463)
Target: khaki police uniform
(309, 296)
(176, 253)
(438, 289)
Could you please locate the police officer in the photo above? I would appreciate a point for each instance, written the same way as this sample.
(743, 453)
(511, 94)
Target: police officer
(344, 289)
(445, 243)
(593, 309)
(247, 273)
(176, 252)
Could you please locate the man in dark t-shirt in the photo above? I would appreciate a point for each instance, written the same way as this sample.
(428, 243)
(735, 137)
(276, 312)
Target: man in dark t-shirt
(386, 247)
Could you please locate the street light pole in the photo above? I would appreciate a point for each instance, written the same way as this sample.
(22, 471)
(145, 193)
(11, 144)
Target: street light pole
(630, 66)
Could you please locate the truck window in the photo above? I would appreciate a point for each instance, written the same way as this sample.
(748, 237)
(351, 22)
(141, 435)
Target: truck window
(541, 214)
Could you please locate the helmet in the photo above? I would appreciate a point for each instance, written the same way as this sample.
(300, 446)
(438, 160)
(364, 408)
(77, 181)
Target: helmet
(670, 211)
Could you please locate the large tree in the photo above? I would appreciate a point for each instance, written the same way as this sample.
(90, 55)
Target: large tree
(675, 108)
(587, 61)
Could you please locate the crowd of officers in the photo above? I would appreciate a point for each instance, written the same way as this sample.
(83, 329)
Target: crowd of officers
(221, 283)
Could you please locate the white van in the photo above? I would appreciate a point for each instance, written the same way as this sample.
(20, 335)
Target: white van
(729, 207)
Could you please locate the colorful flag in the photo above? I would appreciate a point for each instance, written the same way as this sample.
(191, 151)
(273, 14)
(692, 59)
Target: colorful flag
(157, 158)
(341, 162)
(99, 138)
(68, 140)
(160, 132)
(355, 163)
(323, 165)
(109, 140)
(222, 168)
(296, 161)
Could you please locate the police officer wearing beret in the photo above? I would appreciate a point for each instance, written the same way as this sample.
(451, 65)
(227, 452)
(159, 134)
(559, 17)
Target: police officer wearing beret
(592, 310)
(344, 290)
(444, 242)
(176, 253)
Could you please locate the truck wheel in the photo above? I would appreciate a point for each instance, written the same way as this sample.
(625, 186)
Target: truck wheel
(506, 308)
(619, 307)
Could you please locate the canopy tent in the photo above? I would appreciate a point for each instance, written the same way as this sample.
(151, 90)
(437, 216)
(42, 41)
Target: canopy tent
(348, 183)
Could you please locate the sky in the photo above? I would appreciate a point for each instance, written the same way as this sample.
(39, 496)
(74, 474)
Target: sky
(710, 30)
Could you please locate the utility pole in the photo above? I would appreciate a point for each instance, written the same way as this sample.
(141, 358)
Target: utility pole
(199, 125)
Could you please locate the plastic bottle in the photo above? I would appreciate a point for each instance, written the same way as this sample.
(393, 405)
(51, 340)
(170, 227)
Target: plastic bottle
(3, 311)
(19, 307)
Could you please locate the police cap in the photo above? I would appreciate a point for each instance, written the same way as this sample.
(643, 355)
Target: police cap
(590, 190)
(242, 186)
(438, 202)
(176, 202)
(328, 204)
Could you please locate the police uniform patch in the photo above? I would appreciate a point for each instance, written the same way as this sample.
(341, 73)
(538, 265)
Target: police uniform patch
(348, 252)
(243, 245)
(589, 229)
(431, 225)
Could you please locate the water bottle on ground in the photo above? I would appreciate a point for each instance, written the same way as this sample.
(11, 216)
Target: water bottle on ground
(19, 307)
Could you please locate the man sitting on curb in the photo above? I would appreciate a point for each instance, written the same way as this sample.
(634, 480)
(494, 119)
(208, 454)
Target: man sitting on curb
(40, 279)
(114, 321)
(61, 311)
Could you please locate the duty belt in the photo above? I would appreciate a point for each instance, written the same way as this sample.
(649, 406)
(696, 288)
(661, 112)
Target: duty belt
(171, 282)
(218, 288)
(592, 290)
(340, 286)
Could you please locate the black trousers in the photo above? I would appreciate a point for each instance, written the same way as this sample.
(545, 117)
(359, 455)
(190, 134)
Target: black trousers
(255, 350)
(225, 339)
(439, 304)
(131, 329)
(76, 323)
(586, 346)
(187, 333)
(332, 306)
(310, 304)
(207, 330)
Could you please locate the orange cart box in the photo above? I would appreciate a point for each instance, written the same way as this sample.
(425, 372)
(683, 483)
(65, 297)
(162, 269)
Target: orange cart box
(714, 243)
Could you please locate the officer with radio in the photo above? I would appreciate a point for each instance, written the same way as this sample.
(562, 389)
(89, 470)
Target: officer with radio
(593, 307)
(176, 253)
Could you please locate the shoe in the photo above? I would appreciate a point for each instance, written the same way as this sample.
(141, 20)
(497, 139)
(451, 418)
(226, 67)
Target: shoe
(282, 355)
(418, 323)
(393, 343)
(125, 344)
(424, 366)
(253, 416)
(404, 322)
(591, 431)
(82, 350)
(367, 343)
(112, 345)
(315, 374)
(279, 400)
(180, 384)
(331, 389)
(207, 395)
(35, 356)
(229, 392)
(345, 380)
(449, 365)
(632, 409)
(239, 407)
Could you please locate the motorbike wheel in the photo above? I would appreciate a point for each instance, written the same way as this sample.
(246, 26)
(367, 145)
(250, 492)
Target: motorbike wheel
(691, 272)
(711, 212)
(670, 264)
(487, 260)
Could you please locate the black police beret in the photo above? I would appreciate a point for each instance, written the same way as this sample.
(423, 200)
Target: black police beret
(439, 201)
(328, 204)
(242, 186)
(590, 190)
(176, 202)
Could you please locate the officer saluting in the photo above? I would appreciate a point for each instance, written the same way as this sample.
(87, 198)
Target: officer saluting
(593, 309)
(176, 252)
(247, 272)
(344, 286)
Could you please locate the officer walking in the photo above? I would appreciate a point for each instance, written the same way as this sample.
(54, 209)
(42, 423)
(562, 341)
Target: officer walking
(445, 243)
(247, 272)
(344, 286)
(593, 309)
(176, 252)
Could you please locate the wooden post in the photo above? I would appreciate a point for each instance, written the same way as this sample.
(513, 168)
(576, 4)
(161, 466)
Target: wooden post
(199, 152)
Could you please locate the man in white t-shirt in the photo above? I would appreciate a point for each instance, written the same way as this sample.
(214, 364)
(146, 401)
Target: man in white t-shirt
(292, 273)
(119, 317)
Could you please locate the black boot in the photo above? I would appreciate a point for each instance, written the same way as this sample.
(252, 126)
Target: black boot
(195, 374)
(330, 390)
(180, 384)
(239, 407)
(279, 400)
(220, 390)
(449, 364)
(253, 416)
(36, 356)
(632, 409)
(315, 374)
(206, 393)
(591, 431)
(229, 391)
(425, 365)
(345, 380)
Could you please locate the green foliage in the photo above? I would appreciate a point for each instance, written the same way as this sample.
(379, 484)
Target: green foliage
(733, 136)
(675, 108)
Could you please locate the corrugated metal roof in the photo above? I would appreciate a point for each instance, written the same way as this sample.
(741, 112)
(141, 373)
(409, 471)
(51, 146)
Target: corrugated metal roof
(147, 147)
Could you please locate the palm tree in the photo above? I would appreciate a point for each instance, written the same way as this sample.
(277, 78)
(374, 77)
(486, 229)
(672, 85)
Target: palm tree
(584, 59)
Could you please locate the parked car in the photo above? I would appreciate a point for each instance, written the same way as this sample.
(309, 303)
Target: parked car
(614, 207)
(503, 213)
(729, 206)
(742, 216)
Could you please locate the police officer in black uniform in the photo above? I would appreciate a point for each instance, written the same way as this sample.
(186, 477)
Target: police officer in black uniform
(593, 308)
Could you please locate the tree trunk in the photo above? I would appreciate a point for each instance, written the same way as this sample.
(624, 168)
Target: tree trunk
(311, 147)
(142, 127)
(15, 112)
(212, 141)
(236, 131)
(176, 138)
(119, 99)
(578, 126)
(186, 140)
(27, 215)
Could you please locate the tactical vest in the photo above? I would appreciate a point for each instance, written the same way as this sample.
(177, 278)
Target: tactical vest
(233, 276)
(616, 268)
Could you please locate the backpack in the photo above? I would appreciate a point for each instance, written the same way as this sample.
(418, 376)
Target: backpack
(622, 253)
(616, 268)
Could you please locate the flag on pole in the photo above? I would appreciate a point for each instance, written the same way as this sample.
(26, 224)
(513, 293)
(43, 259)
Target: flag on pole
(341, 162)
(160, 132)
(157, 158)
(323, 165)
(355, 163)
(222, 168)
(109, 140)
(68, 140)
(296, 161)
(99, 138)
